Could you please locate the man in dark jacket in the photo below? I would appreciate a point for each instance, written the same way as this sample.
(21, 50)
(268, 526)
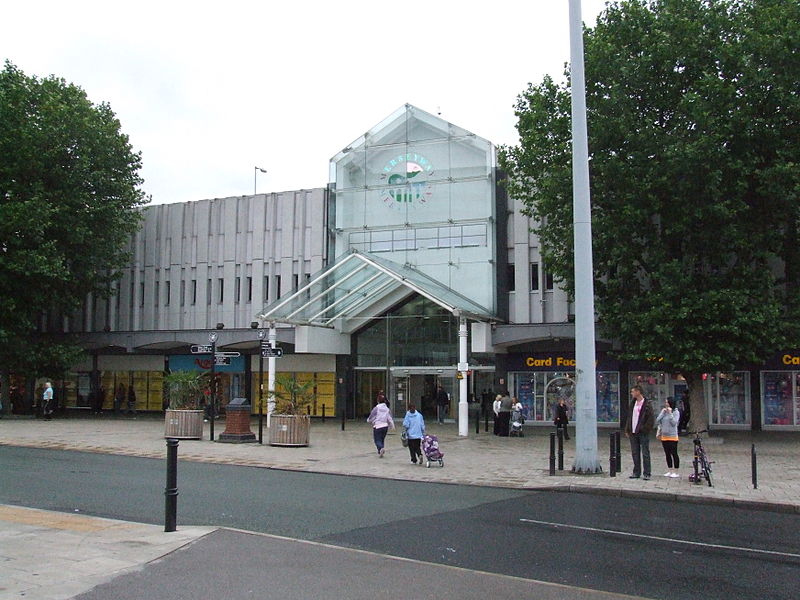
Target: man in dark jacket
(562, 420)
(637, 429)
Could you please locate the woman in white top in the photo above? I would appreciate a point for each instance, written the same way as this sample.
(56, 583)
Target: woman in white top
(381, 419)
(496, 409)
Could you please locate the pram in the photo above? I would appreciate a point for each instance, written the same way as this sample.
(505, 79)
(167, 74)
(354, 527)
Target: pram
(517, 421)
(430, 447)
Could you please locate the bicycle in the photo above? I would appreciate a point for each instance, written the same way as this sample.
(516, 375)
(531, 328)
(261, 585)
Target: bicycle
(702, 466)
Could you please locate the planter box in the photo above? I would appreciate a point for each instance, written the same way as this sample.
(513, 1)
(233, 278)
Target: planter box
(183, 424)
(289, 430)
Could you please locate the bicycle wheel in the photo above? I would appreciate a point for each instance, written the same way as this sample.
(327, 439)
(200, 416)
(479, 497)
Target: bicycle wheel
(706, 467)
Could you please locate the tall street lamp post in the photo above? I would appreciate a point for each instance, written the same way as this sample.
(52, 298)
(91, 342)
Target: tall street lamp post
(255, 177)
(586, 379)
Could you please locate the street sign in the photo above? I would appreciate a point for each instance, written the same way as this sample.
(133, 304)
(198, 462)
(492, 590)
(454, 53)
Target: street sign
(222, 361)
(270, 352)
(228, 354)
(198, 349)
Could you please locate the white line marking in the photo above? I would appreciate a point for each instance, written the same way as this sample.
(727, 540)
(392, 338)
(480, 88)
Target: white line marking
(663, 539)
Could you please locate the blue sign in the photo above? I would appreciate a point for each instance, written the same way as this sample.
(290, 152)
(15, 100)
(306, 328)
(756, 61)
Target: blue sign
(199, 362)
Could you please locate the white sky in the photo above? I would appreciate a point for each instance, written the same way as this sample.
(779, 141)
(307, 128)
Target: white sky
(207, 91)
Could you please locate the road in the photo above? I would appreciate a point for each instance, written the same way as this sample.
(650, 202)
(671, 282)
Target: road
(642, 547)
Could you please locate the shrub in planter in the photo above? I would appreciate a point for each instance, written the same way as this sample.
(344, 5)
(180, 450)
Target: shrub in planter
(184, 417)
(289, 423)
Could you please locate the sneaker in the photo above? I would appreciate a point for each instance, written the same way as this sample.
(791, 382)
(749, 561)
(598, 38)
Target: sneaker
(674, 475)
(646, 477)
(380, 452)
(413, 462)
(633, 477)
(667, 474)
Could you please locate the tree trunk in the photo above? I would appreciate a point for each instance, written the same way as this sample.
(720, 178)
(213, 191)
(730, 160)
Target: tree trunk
(697, 402)
(5, 389)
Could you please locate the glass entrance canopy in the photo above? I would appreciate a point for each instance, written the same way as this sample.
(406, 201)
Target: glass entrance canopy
(355, 284)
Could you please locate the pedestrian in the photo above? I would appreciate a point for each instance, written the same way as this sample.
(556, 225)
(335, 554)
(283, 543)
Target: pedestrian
(131, 400)
(496, 411)
(47, 401)
(668, 420)
(637, 430)
(504, 414)
(381, 419)
(119, 398)
(414, 424)
(381, 398)
(685, 411)
(562, 419)
(442, 403)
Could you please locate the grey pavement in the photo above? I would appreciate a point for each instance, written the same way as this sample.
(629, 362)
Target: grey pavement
(40, 550)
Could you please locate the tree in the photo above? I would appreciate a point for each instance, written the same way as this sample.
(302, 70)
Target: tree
(69, 194)
(693, 110)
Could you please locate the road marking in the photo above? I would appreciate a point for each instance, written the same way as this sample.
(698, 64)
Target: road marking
(663, 539)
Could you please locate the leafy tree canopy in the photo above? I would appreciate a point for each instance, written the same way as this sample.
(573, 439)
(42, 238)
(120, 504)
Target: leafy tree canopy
(69, 193)
(692, 108)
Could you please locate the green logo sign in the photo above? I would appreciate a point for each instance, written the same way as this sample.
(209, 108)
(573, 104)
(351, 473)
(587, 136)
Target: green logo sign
(408, 178)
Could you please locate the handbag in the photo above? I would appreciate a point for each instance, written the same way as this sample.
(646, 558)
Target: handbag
(404, 438)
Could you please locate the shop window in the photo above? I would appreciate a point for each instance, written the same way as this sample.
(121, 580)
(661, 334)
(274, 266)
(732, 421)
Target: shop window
(780, 404)
(730, 398)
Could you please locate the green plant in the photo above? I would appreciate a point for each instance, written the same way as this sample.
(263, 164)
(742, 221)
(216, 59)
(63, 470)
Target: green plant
(292, 397)
(184, 389)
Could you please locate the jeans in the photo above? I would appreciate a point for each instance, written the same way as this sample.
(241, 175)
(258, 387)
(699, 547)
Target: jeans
(640, 451)
(379, 435)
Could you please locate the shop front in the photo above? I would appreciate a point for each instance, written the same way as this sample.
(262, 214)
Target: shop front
(540, 380)
(780, 392)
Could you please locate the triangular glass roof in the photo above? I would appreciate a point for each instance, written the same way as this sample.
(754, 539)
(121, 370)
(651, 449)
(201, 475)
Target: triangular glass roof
(356, 282)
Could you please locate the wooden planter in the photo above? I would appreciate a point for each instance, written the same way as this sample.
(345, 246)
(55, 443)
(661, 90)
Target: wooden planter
(183, 424)
(289, 430)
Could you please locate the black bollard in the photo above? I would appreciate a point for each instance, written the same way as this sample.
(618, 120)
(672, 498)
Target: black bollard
(560, 434)
(612, 455)
(618, 451)
(323, 413)
(343, 419)
(552, 453)
(754, 466)
(171, 491)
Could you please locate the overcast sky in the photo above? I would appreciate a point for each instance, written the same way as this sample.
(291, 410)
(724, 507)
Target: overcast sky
(208, 91)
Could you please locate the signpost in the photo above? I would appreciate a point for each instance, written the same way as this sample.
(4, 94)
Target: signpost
(201, 349)
(270, 352)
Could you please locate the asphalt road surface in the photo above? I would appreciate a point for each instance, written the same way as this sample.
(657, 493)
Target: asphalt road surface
(642, 547)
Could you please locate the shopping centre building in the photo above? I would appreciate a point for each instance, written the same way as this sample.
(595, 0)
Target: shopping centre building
(411, 268)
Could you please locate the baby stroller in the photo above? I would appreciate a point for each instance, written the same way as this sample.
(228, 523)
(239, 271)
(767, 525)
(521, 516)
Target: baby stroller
(430, 447)
(517, 421)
